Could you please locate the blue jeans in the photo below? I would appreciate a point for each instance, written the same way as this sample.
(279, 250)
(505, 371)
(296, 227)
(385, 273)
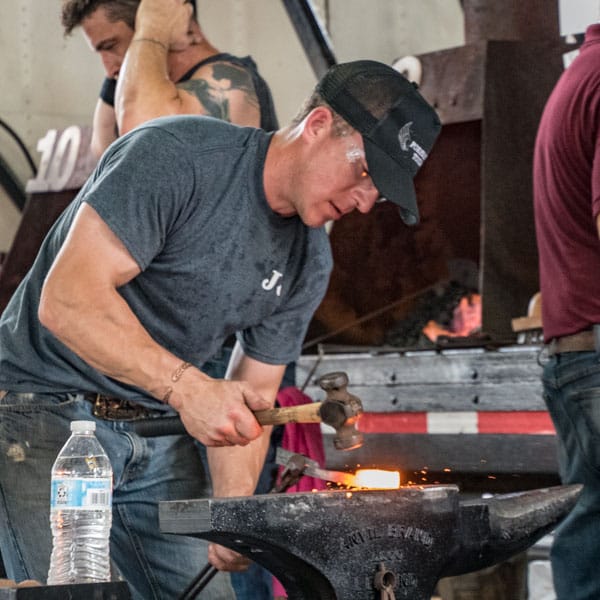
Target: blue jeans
(572, 394)
(33, 429)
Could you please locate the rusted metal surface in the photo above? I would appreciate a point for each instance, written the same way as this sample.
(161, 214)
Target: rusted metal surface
(453, 82)
(519, 79)
(510, 20)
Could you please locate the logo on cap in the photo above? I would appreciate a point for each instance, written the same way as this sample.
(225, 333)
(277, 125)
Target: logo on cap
(407, 143)
(419, 155)
(404, 136)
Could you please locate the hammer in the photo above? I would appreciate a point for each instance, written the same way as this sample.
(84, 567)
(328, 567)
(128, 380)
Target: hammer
(340, 409)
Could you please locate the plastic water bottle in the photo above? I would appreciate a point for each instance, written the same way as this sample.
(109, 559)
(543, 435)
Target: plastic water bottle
(80, 509)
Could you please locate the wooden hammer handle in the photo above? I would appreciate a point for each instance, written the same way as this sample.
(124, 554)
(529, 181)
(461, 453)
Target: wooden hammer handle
(303, 413)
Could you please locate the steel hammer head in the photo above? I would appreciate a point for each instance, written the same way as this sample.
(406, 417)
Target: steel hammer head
(341, 410)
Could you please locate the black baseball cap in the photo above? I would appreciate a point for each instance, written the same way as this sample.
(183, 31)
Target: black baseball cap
(397, 125)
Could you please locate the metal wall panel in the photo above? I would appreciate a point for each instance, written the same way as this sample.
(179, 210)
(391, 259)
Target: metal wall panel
(504, 383)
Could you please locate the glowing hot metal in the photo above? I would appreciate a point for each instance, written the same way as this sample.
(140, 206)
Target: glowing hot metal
(363, 478)
(377, 479)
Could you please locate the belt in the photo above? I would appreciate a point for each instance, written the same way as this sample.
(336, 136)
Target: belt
(578, 342)
(110, 408)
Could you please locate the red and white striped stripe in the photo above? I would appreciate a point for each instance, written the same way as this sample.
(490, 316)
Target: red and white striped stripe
(469, 422)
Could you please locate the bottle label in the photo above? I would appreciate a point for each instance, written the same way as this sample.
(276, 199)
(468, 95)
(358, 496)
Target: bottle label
(81, 493)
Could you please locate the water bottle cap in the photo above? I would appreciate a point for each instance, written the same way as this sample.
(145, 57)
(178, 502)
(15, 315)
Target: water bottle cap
(81, 426)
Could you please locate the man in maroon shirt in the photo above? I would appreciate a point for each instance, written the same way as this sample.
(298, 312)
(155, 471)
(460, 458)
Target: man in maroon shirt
(566, 182)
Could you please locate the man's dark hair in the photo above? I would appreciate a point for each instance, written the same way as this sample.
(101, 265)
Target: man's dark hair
(73, 12)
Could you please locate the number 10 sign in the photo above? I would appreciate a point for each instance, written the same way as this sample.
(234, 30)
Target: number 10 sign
(66, 160)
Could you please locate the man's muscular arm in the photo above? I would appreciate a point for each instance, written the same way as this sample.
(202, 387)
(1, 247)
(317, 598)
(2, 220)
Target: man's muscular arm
(145, 89)
(81, 306)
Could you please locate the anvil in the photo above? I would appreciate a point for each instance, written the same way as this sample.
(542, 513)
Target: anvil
(349, 545)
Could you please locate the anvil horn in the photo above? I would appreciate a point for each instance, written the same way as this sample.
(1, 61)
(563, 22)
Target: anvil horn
(512, 523)
(333, 545)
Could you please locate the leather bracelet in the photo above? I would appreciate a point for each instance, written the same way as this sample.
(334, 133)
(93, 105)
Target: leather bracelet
(152, 41)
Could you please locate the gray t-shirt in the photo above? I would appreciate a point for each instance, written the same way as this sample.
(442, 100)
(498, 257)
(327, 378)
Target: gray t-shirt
(185, 196)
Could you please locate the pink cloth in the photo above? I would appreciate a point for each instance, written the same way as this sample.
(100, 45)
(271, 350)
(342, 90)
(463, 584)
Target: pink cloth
(303, 438)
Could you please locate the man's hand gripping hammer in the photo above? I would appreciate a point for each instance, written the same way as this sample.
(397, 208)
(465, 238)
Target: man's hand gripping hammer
(340, 409)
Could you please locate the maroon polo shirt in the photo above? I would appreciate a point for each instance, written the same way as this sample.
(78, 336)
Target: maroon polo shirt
(566, 182)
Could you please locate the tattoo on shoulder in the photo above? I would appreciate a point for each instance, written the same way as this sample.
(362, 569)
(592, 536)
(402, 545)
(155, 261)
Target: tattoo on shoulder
(214, 96)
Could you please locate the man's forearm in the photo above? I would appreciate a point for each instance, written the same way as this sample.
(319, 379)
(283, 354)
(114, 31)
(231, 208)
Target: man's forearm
(235, 470)
(98, 325)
